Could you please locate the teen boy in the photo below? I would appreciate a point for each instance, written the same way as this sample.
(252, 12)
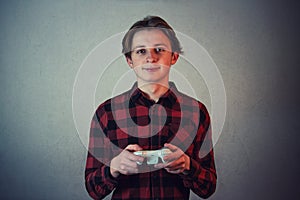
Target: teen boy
(154, 115)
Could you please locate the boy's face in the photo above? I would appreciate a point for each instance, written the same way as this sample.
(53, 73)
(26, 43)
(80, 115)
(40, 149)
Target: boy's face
(151, 56)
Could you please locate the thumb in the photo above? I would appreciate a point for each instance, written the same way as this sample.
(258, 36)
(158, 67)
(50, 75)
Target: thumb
(134, 147)
(170, 146)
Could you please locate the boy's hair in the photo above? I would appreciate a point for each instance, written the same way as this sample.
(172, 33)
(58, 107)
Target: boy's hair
(148, 23)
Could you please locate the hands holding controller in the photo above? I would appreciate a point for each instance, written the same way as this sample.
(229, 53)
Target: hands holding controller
(174, 160)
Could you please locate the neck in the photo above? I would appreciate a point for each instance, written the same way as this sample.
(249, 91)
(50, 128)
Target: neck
(154, 90)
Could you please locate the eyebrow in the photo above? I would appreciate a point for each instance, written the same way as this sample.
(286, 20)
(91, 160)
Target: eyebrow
(143, 46)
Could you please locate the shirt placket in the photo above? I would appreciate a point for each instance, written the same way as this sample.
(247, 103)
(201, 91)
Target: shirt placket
(155, 179)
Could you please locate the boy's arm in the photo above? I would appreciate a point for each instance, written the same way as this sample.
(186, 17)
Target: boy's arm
(202, 176)
(98, 180)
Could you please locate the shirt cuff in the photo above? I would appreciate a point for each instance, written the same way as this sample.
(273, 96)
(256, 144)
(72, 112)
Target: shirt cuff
(112, 181)
(190, 173)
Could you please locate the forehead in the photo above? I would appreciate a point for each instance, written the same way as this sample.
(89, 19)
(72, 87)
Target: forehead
(150, 38)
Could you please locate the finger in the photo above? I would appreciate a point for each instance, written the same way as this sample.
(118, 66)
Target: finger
(128, 170)
(170, 146)
(133, 158)
(167, 164)
(170, 157)
(134, 147)
(131, 161)
(174, 171)
(136, 158)
(176, 152)
(175, 167)
(160, 165)
(173, 156)
(127, 163)
(176, 164)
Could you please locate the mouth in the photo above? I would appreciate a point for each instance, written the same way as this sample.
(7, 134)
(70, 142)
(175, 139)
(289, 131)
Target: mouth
(151, 69)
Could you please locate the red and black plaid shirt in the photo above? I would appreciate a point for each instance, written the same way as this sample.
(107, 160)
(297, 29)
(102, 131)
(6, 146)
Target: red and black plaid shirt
(132, 118)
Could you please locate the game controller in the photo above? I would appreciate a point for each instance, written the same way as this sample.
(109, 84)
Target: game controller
(153, 155)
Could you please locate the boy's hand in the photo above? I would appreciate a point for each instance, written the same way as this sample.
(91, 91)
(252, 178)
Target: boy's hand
(126, 162)
(176, 162)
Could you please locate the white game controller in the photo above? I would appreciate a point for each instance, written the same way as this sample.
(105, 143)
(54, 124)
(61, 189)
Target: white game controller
(153, 155)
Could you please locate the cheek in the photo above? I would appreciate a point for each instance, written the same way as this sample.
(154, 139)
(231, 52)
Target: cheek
(166, 62)
(137, 69)
(137, 61)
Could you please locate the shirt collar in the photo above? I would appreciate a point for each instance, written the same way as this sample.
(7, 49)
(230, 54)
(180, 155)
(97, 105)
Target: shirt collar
(140, 97)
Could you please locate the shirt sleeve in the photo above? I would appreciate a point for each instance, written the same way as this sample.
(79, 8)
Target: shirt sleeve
(201, 178)
(98, 180)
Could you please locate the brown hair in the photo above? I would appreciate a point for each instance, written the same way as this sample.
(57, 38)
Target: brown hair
(147, 23)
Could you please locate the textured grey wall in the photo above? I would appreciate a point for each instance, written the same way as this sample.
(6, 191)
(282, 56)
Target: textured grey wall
(254, 43)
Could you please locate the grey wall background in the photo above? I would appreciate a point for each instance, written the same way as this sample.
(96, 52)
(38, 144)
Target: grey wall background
(254, 43)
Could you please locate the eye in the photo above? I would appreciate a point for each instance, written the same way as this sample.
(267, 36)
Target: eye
(141, 51)
(159, 50)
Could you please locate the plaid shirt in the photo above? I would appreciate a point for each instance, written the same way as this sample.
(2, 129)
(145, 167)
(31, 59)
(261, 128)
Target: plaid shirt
(132, 118)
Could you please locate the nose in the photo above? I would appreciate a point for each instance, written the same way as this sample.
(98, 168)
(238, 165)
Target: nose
(151, 56)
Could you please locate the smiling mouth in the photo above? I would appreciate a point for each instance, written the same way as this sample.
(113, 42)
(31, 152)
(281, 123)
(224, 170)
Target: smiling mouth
(151, 69)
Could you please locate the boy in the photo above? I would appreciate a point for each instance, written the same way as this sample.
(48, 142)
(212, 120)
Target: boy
(153, 115)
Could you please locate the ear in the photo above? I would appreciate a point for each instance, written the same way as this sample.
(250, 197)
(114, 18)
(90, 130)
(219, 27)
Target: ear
(174, 58)
(129, 62)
